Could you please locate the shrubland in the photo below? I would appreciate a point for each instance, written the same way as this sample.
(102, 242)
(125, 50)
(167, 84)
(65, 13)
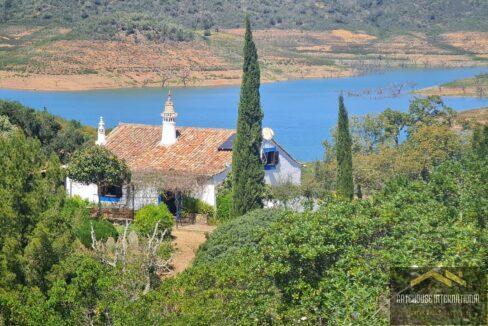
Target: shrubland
(332, 265)
(55, 134)
(427, 206)
(154, 17)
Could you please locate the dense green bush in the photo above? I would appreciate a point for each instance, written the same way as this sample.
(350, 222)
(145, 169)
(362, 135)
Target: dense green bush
(78, 211)
(103, 230)
(224, 206)
(242, 232)
(5, 126)
(205, 209)
(196, 206)
(147, 217)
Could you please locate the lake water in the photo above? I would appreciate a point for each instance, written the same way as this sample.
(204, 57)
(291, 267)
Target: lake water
(301, 112)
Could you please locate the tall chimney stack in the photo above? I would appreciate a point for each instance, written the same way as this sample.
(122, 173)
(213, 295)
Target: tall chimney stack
(169, 126)
(101, 139)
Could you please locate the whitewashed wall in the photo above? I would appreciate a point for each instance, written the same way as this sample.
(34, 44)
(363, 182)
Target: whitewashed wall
(87, 192)
(143, 195)
(208, 193)
(287, 169)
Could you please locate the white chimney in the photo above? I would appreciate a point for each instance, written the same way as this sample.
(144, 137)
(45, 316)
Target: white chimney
(101, 140)
(169, 126)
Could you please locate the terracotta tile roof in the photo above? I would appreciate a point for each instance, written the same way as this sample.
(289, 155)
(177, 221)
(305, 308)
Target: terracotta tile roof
(196, 151)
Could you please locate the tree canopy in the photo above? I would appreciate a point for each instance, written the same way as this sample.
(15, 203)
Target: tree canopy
(55, 134)
(97, 165)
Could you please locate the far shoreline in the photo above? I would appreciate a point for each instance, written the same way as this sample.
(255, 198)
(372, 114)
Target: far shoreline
(96, 82)
(80, 83)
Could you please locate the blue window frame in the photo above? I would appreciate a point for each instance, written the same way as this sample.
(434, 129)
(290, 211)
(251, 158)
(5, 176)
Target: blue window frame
(108, 199)
(271, 158)
(111, 194)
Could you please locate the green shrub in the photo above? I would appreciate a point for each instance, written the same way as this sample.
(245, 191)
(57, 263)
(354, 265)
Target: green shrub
(189, 205)
(103, 230)
(55, 134)
(224, 206)
(196, 206)
(205, 209)
(76, 209)
(241, 233)
(147, 217)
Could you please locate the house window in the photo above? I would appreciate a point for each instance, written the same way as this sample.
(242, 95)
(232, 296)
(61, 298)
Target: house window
(271, 158)
(111, 193)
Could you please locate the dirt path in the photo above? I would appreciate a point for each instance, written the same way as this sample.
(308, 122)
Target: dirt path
(187, 240)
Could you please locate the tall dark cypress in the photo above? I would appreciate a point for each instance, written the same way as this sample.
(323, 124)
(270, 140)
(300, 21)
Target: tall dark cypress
(247, 168)
(345, 186)
(480, 141)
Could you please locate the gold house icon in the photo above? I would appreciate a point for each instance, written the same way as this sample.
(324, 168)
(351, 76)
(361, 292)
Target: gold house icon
(448, 278)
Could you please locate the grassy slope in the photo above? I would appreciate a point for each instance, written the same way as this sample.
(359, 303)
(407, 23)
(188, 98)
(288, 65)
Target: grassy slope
(480, 80)
(471, 118)
(475, 86)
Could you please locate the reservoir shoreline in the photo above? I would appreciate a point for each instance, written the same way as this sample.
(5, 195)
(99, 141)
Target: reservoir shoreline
(301, 112)
(92, 82)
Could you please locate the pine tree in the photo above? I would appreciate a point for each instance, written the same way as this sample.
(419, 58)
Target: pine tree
(247, 168)
(345, 186)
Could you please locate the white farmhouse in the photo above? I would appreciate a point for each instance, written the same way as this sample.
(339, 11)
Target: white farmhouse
(168, 160)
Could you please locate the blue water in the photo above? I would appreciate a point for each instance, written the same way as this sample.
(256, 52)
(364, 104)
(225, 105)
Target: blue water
(301, 112)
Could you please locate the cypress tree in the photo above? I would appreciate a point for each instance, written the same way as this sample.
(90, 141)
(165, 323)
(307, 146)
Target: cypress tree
(345, 186)
(247, 168)
(480, 141)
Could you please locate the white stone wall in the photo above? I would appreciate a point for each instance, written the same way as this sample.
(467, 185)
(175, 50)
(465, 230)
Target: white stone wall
(208, 192)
